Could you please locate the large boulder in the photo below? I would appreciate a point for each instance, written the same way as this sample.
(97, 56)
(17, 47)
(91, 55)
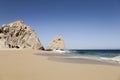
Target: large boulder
(19, 35)
(57, 44)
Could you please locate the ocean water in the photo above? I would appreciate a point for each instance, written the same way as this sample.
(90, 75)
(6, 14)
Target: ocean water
(101, 55)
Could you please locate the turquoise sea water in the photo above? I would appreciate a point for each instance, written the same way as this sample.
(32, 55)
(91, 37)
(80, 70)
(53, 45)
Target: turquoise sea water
(103, 55)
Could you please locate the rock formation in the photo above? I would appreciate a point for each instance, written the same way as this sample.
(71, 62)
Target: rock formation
(19, 35)
(57, 44)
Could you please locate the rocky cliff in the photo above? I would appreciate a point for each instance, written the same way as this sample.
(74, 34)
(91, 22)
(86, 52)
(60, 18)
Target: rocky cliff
(57, 44)
(19, 35)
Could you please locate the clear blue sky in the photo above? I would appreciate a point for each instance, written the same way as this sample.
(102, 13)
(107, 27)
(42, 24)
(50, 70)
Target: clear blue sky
(84, 24)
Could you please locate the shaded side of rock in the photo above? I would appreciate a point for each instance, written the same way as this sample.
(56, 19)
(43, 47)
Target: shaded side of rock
(19, 35)
(57, 44)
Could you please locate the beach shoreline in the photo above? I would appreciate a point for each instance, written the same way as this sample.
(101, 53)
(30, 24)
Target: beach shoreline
(71, 58)
(24, 64)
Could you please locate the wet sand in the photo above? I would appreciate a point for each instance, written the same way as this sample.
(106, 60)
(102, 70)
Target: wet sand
(26, 65)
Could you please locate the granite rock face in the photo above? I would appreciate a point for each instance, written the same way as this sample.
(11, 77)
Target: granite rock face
(57, 44)
(19, 35)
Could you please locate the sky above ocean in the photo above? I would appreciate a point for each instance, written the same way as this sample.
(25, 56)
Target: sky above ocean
(84, 24)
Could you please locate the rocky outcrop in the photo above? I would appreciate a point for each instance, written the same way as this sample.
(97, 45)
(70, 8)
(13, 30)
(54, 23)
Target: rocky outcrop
(57, 44)
(19, 35)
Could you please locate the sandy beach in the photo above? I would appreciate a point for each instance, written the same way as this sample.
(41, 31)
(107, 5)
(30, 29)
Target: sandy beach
(26, 65)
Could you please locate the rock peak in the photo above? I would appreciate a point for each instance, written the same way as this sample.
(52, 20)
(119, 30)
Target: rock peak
(17, 23)
(57, 44)
(19, 35)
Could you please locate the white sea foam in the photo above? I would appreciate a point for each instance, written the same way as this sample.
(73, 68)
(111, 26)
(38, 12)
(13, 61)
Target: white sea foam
(85, 57)
(115, 59)
(92, 57)
(59, 51)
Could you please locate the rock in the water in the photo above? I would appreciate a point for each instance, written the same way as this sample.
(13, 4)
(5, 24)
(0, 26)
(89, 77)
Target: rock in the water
(19, 35)
(57, 44)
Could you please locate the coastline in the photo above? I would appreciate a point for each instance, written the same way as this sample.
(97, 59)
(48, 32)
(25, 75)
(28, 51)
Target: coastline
(71, 58)
(26, 65)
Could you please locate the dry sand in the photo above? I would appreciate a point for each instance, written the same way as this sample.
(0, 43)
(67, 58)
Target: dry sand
(25, 65)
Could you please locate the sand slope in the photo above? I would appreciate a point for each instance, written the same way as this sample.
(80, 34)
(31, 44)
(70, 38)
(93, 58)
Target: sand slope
(24, 65)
